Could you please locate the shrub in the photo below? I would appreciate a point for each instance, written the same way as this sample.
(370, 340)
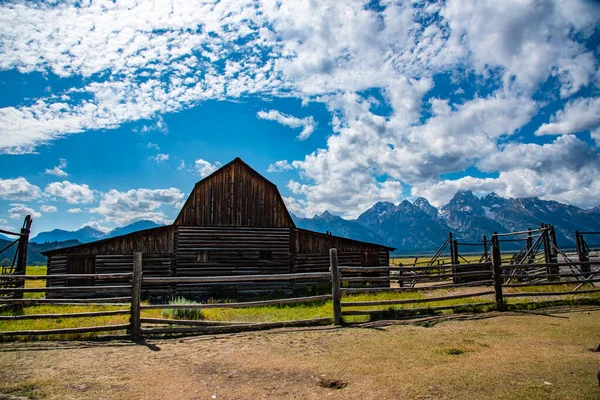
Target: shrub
(182, 313)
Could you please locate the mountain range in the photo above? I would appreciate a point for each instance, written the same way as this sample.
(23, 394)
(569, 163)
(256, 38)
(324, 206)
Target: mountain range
(59, 238)
(88, 234)
(420, 227)
(409, 227)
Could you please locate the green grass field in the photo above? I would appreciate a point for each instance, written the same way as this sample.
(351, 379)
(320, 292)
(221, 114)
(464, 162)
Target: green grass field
(277, 313)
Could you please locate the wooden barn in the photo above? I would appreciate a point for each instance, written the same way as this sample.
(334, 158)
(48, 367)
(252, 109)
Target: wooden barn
(233, 223)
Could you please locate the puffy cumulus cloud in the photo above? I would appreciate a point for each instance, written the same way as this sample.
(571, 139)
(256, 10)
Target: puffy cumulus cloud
(18, 189)
(339, 196)
(368, 149)
(19, 211)
(72, 193)
(160, 158)
(565, 152)
(295, 206)
(529, 40)
(565, 170)
(205, 168)
(59, 170)
(135, 204)
(577, 116)
(48, 209)
(279, 166)
(74, 210)
(157, 58)
(307, 124)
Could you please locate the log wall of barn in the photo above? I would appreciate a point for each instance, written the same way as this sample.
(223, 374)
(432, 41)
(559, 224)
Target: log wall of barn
(115, 255)
(222, 251)
(152, 265)
(235, 195)
(312, 253)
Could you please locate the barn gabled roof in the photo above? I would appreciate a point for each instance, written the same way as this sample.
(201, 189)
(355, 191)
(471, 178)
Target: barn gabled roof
(236, 162)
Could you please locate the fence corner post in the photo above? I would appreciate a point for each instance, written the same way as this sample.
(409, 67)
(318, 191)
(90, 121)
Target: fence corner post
(335, 287)
(136, 294)
(497, 266)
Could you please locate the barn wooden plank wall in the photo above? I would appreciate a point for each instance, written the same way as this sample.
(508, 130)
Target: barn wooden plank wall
(231, 251)
(312, 253)
(56, 265)
(235, 195)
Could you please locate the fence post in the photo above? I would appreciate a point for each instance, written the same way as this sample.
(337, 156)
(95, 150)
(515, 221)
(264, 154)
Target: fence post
(335, 287)
(136, 293)
(485, 249)
(454, 247)
(450, 242)
(21, 267)
(582, 254)
(497, 266)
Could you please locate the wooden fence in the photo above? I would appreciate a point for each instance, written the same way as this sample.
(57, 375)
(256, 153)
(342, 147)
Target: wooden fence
(18, 301)
(493, 282)
(139, 325)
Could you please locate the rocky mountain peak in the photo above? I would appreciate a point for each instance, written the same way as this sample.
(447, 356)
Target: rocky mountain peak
(466, 202)
(422, 204)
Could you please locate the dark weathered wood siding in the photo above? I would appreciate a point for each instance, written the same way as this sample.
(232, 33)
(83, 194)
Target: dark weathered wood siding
(312, 252)
(235, 195)
(231, 251)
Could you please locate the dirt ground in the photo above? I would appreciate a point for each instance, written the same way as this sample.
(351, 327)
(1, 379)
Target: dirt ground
(546, 354)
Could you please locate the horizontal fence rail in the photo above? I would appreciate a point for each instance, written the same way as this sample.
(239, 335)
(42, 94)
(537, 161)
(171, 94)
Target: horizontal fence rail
(446, 283)
(92, 290)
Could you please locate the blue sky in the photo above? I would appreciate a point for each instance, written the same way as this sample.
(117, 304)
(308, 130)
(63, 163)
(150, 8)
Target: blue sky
(111, 111)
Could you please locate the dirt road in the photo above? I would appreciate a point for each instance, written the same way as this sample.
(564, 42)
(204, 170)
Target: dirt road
(520, 355)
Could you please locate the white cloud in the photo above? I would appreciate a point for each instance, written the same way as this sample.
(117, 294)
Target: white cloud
(295, 206)
(156, 60)
(59, 169)
(179, 205)
(74, 210)
(181, 165)
(18, 189)
(205, 168)
(72, 193)
(578, 116)
(565, 170)
(153, 146)
(19, 211)
(160, 158)
(307, 124)
(4, 226)
(135, 204)
(158, 126)
(48, 209)
(529, 40)
(279, 166)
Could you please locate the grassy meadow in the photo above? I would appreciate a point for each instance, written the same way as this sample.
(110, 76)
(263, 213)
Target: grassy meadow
(280, 313)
